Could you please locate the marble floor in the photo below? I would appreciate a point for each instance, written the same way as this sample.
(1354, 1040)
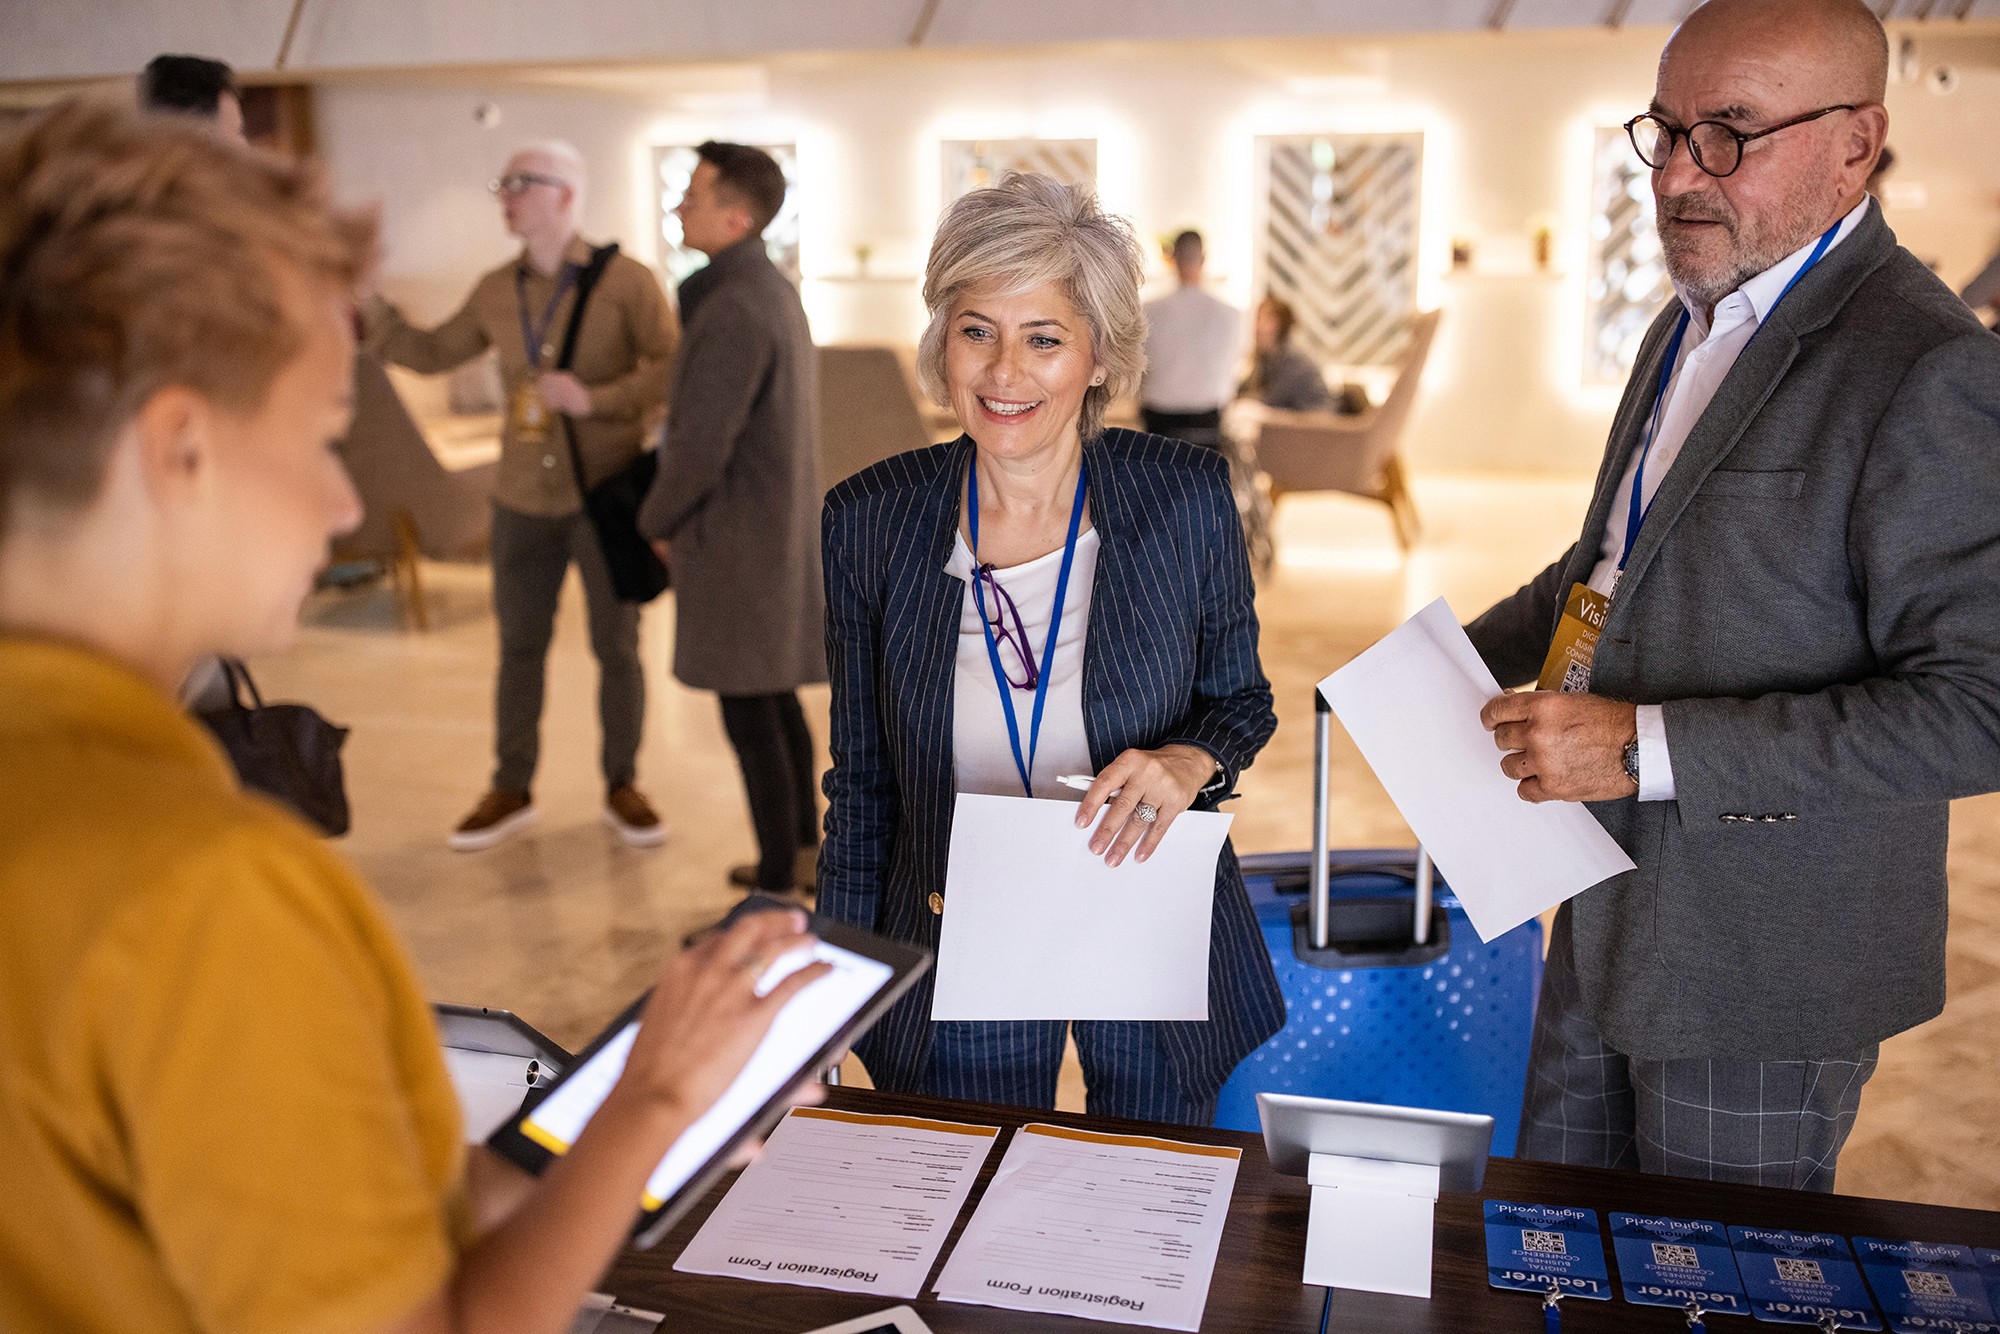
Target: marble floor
(564, 925)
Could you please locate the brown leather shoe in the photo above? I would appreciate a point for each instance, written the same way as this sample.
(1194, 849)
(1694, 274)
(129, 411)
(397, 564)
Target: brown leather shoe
(499, 816)
(633, 817)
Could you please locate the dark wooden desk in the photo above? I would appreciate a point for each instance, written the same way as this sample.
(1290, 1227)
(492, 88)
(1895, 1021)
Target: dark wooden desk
(1256, 1289)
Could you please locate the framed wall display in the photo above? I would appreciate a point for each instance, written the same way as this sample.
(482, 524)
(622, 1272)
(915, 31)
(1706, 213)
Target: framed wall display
(673, 165)
(1339, 241)
(1627, 280)
(974, 164)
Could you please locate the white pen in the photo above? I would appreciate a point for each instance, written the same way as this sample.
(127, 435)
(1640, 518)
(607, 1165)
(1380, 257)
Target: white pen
(1082, 782)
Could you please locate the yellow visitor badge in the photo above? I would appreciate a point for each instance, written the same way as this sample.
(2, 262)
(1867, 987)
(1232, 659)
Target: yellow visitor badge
(1567, 668)
(527, 413)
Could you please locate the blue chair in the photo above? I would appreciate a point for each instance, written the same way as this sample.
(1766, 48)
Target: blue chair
(1443, 1025)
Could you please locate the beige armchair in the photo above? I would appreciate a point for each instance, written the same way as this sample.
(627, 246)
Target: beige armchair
(1325, 451)
(867, 410)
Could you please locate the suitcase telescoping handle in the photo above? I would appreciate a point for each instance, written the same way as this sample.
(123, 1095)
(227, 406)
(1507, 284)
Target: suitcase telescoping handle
(1322, 891)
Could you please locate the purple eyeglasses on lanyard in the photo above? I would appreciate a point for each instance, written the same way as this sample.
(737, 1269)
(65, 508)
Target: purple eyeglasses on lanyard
(1014, 636)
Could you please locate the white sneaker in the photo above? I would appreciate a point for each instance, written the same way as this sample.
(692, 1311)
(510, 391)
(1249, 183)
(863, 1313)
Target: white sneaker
(498, 817)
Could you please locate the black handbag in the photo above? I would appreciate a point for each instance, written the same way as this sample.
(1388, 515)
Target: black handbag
(612, 506)
(286, 751)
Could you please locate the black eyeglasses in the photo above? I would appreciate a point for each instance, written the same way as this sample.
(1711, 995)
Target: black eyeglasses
(1014, 636)
(1716, 148)
(518, 182)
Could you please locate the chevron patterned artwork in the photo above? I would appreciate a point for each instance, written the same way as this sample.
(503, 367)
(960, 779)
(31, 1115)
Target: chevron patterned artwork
(1340, 241)
(674, 164)
(1628, 276)
(974, 164)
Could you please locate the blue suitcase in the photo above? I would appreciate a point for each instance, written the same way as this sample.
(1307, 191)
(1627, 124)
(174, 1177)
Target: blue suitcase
(1398, 1001)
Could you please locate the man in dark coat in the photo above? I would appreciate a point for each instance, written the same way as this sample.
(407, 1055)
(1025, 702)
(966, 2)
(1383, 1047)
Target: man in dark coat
(735, 508)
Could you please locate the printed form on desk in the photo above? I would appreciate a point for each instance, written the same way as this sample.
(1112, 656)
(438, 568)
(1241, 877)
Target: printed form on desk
(1114, 1227)
(843, 1200)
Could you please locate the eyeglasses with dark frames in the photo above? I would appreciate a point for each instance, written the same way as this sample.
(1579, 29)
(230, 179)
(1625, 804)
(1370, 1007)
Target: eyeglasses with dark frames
(1014, 636)
(1716, 148)
(520, 182)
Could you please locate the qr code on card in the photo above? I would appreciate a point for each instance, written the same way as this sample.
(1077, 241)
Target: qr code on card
(1799, 1271)
(1929, 1285)
(1675, 1257)
(1576, 678)
(1544, 1243)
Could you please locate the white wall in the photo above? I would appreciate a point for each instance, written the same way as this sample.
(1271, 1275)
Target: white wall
(1507, 120)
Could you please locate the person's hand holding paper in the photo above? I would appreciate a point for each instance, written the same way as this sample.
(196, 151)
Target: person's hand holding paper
(1413, 704)
(1563, 747)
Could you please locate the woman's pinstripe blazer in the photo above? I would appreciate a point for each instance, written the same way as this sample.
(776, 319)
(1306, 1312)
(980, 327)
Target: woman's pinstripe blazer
(1170, 656)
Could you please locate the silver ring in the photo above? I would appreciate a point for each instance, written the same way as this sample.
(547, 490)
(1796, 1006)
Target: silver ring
(1145, 812)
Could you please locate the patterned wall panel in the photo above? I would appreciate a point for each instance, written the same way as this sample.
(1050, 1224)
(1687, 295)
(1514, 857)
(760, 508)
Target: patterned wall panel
(1340, 241)
(974, 164)
(674, 164)
(1628, 277)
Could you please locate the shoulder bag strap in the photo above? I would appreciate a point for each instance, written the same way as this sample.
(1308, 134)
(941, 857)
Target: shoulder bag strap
(600, 258)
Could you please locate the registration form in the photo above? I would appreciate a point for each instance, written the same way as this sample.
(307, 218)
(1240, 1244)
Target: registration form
(844, 1200)
(1114, 1227)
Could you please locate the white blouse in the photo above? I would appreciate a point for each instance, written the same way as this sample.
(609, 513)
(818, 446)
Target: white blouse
(984, 756)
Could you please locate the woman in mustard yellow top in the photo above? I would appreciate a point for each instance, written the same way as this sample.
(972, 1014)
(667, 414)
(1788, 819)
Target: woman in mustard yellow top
(222, 1105)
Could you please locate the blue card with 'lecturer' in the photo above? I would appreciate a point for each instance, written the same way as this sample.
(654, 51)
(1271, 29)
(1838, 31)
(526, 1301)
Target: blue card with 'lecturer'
(1924, 1287)
(1675, 1262)
(1801, 1278)
(1534, 1247)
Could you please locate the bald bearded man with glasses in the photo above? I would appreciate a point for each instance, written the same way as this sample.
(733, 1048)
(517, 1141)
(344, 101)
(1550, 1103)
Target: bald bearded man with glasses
(1773, 656)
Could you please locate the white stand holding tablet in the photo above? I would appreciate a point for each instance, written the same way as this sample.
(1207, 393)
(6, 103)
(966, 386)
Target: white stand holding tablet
(1375, 1173)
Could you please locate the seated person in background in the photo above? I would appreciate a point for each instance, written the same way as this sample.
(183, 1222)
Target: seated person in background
(1281, 376)
(222, 1100)
(1035, 327)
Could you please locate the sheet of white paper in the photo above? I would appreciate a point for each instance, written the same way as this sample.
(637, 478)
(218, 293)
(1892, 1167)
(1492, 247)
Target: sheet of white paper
(1036, 927)
(1412, 705)
(843, 1200)
(1114, 1227)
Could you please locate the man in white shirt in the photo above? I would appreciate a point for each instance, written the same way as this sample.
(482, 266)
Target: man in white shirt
(1776, 643)
(1193, 342)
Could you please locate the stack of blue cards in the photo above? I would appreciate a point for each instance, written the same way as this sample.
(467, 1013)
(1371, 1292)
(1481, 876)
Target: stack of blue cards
(1801, 1278)
(1537, 1248)
(1924, 1287)
(1677, 1262)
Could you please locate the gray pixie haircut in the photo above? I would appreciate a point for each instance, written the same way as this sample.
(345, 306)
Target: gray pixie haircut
(1026, 231)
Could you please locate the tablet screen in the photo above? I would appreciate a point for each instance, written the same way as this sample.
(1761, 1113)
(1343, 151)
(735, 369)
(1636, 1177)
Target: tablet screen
(808, 1022)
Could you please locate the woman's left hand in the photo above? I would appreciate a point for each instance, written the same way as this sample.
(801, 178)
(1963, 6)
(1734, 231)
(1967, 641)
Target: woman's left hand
(1167, 780)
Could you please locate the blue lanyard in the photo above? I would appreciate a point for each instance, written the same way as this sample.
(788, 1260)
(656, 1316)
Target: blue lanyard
(1025, 767)
(1635, 513)
(533, 334)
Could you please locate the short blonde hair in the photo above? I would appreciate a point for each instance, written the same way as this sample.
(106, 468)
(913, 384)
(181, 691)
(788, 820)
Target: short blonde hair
(137, 254)
(1026, 231)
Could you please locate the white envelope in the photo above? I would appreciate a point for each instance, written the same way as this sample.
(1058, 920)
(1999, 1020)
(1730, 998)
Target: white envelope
(1036, 927)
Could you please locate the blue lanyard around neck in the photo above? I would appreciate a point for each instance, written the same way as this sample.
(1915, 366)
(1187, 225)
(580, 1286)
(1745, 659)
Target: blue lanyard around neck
(534, 333)
(1635, 512)
(1024, 765)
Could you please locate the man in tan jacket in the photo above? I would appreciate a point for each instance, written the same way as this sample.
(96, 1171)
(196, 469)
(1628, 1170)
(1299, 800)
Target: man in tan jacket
(612, 391)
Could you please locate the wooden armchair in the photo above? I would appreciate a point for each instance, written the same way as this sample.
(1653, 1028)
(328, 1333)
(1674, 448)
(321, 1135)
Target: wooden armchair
(1325, 451)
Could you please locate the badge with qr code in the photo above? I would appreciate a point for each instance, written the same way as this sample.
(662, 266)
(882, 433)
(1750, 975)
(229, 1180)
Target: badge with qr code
(1675, 1261)
(1571, 652)
(1801, 1278)
(1923, 1286)
(1535, 1247)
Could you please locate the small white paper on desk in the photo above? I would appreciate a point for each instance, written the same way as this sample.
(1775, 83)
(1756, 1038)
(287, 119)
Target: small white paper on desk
(843, 1200)
(1114, 1227)
(1412, 705)
(1036, 926)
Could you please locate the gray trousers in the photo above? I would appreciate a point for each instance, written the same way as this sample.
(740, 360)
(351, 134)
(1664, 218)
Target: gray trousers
(531, 554)
(1761, 1123)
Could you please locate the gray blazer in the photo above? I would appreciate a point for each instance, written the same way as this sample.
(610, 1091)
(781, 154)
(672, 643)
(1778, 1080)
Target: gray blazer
(738, 491)
(1815, 599)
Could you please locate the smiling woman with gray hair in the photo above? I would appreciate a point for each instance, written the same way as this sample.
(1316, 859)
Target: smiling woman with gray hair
(1040, 597)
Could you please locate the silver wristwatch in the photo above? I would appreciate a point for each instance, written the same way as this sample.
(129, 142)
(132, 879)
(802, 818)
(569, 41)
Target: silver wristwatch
(1632, 760)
